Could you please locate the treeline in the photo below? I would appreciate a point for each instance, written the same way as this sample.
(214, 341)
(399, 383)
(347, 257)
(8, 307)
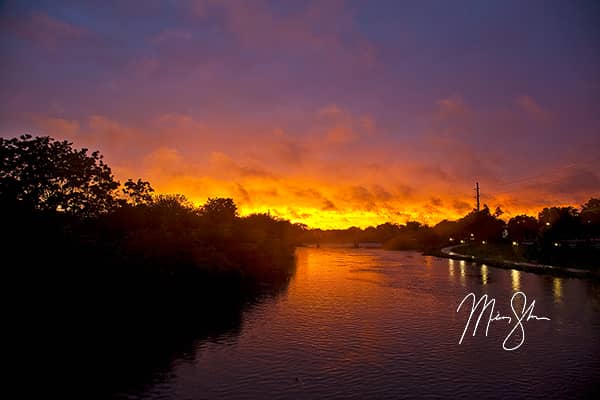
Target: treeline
(553, 227)
(52, 193)
(109, 272)
(560, 236)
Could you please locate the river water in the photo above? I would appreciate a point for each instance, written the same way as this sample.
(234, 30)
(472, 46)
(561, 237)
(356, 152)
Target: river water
(369, 323)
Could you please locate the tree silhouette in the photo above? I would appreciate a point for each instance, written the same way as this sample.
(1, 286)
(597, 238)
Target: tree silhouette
(223, 209)
(139, 192)
(44, 174)
(590, 212)
(498, 212)
(559, 223)
(523, 227)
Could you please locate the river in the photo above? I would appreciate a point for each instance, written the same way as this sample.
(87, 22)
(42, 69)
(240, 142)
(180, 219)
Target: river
(369, 323)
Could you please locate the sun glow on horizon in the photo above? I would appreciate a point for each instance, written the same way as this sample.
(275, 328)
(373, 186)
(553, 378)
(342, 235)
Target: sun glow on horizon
(315, 218)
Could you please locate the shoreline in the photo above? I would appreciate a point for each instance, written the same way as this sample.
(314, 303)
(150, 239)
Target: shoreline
(447, 252)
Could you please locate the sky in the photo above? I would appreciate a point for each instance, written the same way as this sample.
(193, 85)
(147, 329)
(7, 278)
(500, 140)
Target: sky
(330, 113)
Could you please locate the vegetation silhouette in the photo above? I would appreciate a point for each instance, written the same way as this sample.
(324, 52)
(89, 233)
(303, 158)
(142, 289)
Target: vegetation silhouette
(93, 261)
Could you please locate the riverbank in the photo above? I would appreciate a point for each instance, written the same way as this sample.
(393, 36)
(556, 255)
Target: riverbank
(452, 252)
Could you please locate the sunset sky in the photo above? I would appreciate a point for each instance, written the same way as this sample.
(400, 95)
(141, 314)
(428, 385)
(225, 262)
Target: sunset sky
(330, 113)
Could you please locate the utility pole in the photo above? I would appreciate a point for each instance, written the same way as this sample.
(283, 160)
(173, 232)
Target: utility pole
(477, 195)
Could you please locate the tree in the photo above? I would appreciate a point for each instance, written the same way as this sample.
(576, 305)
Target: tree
(413, 226)
(139, 192)
(479, 225)
(386, 231)
(172, 205)
(523, 227)
(559, 223)
(553, 215)
(590, 211)
(221, 209)
(590, 217)
(44, 174)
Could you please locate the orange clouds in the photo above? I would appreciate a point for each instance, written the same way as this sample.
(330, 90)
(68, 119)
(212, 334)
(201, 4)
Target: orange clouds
(57, 127)
(335, 170)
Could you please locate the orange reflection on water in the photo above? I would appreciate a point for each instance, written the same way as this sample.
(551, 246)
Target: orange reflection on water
(484, 274)
(557, 289)
(515, 276)
(462, 265)
(344, 283)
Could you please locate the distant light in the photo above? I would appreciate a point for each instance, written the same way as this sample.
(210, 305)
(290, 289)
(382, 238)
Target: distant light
(472, 234)
(547, 223)
(462, 241)
(555, 244)
(452, 239)
(483, 242)
(515, 244)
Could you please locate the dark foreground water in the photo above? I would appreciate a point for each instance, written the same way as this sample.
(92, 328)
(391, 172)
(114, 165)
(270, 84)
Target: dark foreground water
(368, 323)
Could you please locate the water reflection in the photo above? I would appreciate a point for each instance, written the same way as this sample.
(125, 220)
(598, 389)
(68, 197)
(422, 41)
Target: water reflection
(148, 358)
(428, 261)
(515, 276)
(484, 274)
(364, 323)
(557, 289)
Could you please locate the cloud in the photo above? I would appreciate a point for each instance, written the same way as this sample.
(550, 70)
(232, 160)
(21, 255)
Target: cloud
(58, 128)
(183, 125)
(170, 35)
(340, 134)
(303, 32)
(452, 108)
(532, 108)
(288, 149)
(404, 191)
(328, 205)
(381, 193)
(341, 126)
(573, 180)
(42, 28)
(242, 195)
(461, 206)
(225, 165)
(436, 202)
(165, 160)
(257, 24)
(431, 172)
(331, 110)
(111, 133)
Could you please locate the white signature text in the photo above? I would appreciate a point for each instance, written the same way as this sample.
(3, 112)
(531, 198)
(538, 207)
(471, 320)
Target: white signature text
(520, 316)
